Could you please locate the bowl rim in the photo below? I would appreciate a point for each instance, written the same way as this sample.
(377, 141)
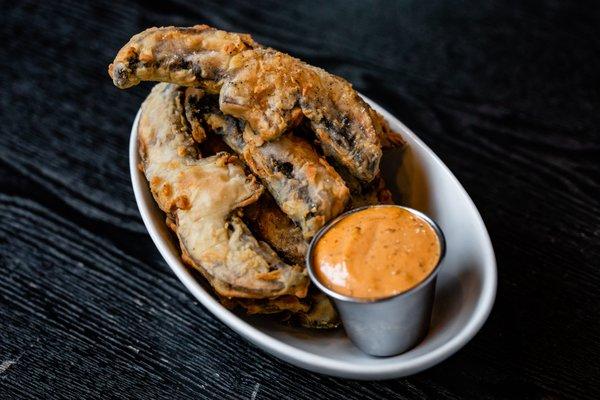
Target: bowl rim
(303, 358)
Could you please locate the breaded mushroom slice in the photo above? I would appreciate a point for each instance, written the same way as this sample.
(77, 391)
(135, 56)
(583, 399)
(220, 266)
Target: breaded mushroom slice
(268, 89)
(201, 196)
(304, 185)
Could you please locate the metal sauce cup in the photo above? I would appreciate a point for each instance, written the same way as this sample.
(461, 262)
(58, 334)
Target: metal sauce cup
(390, 325)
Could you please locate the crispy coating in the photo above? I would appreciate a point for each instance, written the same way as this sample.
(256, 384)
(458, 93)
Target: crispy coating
(270, 90)
(321, 314)
(268, 306)
(304, 185)
(315, 311)
(374, 193)
(195, 56)
(389, 138)
(200, 196)
(264, 217)
(270, 224)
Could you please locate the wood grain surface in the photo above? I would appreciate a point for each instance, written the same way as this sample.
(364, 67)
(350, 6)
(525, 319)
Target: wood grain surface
(506, 93)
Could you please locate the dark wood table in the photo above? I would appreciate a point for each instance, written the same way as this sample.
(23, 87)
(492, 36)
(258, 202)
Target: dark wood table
(507, 94)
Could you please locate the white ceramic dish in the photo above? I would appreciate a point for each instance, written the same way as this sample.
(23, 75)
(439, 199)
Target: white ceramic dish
(466, 284)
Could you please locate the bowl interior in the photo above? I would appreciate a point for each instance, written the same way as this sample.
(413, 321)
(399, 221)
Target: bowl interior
(465, 288)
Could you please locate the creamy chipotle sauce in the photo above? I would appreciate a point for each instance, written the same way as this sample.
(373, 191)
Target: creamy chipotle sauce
(376, 252)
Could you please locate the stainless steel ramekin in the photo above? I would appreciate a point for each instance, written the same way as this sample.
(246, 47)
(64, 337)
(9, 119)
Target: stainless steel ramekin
(390, 325)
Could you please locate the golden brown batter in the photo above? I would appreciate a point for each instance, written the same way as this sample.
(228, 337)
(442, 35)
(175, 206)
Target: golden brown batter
(377, 252)
(269, 90)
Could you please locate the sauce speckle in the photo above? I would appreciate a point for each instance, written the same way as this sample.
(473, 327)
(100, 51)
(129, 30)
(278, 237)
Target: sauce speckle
(376, 252)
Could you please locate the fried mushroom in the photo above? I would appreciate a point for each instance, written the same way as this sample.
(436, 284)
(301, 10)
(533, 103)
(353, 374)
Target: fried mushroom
(270, 90)
(201, 196)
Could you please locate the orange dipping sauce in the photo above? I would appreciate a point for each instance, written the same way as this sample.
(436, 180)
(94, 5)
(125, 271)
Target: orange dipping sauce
(376, 252)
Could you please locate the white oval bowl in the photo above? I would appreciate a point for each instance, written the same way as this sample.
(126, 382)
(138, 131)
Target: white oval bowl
(466, 285)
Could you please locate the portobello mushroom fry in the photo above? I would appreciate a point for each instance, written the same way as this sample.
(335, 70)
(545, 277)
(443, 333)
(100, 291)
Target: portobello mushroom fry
(304, 185)
(201, 195)
(269, 90)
